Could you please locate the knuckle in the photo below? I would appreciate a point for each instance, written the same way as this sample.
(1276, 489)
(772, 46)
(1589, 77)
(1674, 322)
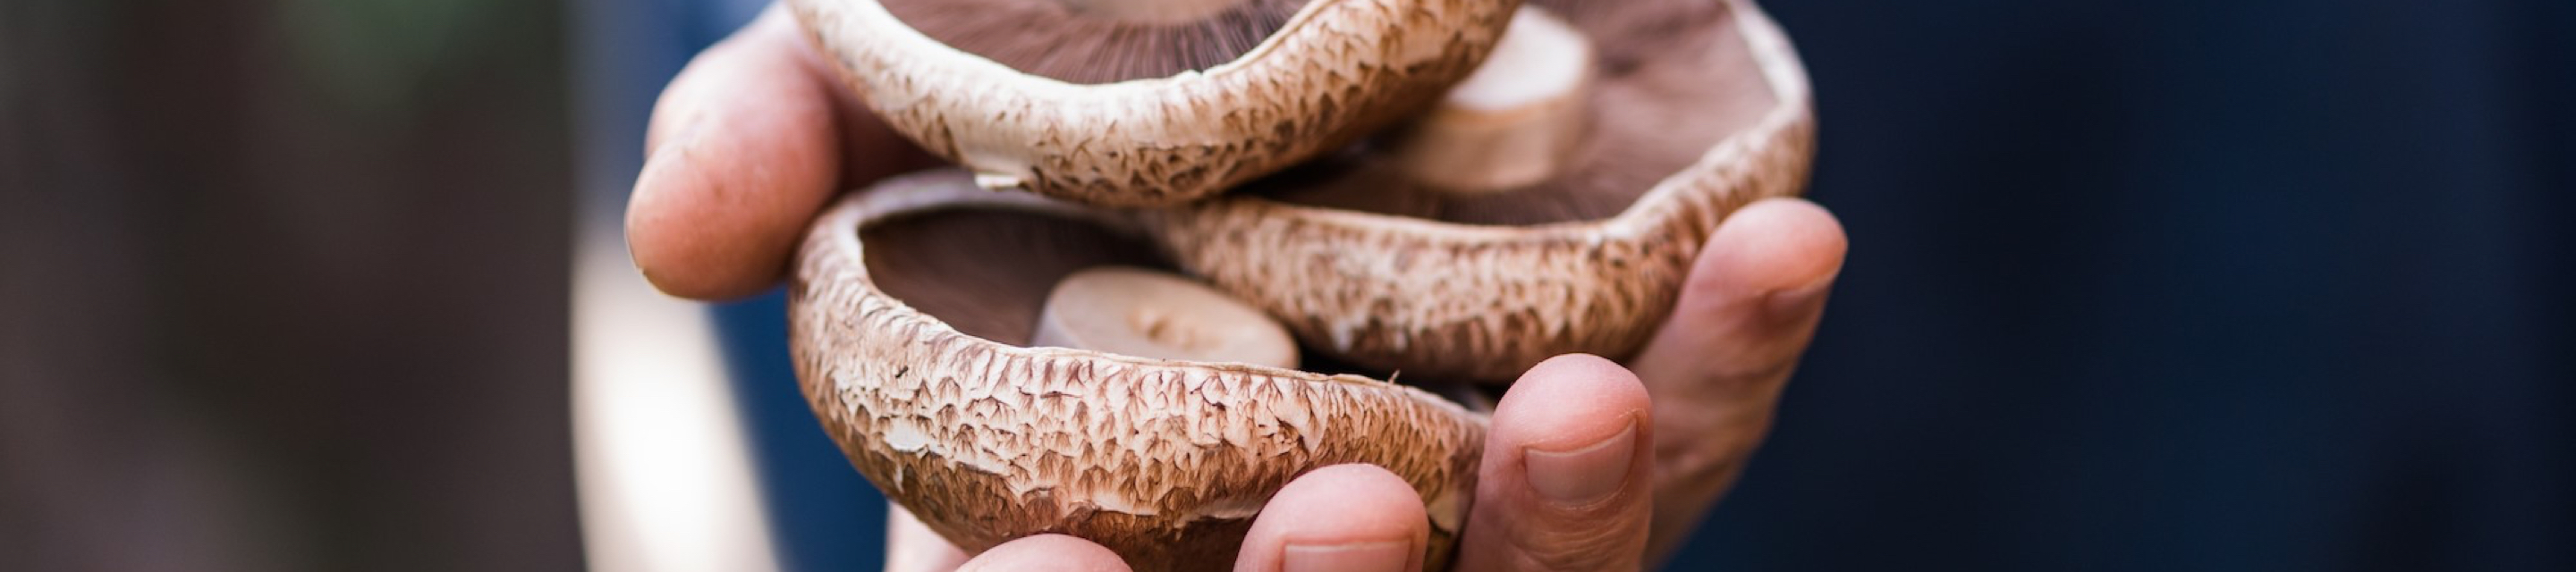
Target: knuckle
(1570, 545)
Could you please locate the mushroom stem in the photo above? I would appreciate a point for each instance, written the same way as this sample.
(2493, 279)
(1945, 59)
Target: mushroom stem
(1515, 121)
(1152, 11)
(1152, 314)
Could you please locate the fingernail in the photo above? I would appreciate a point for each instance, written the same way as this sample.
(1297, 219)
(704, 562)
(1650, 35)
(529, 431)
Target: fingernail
(1359, 557)
(1585, 474)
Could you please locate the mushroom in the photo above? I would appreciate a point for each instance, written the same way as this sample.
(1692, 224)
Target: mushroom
(947, 74)
(1371, 264)
(911, 319)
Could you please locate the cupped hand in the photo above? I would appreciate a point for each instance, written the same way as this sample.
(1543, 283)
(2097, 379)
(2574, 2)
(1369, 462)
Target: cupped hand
(1590, 465)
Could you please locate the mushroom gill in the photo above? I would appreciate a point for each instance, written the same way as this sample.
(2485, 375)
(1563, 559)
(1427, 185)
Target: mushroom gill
(1643, 122)
(1100, 41)
(951, 265)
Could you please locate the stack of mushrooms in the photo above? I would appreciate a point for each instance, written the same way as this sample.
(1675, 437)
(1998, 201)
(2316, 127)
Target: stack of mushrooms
(1188, 239)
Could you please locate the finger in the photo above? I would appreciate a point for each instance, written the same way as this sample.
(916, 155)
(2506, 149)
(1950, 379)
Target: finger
(1053, 552)
(1359, 518)
(872, 149)
(743, 148)
(1717, 367)
(1564, 481)
(912, 547)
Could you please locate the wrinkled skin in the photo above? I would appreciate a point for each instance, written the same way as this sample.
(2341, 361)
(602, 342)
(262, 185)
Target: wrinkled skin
(1591, 465)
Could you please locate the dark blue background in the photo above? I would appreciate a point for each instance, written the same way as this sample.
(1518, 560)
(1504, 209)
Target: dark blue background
(2205, 285)
(2211, 285)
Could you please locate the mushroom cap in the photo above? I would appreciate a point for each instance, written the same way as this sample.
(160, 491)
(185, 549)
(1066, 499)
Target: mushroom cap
(1486, 302)
(1164, 462)
(1337, 70)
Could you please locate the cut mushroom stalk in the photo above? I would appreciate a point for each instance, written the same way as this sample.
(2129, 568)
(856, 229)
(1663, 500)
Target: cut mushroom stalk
(1514, 122)
(1151, 314)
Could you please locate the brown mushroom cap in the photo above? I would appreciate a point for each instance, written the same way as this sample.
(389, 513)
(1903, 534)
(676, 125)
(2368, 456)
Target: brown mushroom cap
(1164, 462)
(1336, 70)
(1499, 287)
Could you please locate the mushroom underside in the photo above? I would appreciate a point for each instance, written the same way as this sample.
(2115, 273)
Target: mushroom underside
(1084, 42)
(1637, 31)
(987, 273)
(1646, 121)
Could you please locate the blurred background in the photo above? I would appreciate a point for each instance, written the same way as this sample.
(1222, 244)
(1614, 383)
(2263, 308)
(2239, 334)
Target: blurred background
(2200, 284)
(284, 285)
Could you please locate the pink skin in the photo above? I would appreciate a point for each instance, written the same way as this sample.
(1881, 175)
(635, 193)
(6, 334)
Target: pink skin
(1573, 475)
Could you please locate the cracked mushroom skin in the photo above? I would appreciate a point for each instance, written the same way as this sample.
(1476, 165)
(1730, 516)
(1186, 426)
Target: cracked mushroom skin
(1336, 70)
(1165, 462)
(1487, 296)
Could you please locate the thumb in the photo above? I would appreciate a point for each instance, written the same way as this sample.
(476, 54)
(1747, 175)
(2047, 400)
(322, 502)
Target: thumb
(1565, 479)
(1046, 552)
(912, 547)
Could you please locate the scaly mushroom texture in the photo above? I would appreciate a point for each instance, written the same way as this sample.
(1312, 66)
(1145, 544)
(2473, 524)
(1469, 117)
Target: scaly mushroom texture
(911, 316)
(1368, 263)
(1180, 122)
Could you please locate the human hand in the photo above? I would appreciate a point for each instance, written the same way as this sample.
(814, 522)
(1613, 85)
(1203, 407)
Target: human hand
(1575, 476)
(755, 135)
